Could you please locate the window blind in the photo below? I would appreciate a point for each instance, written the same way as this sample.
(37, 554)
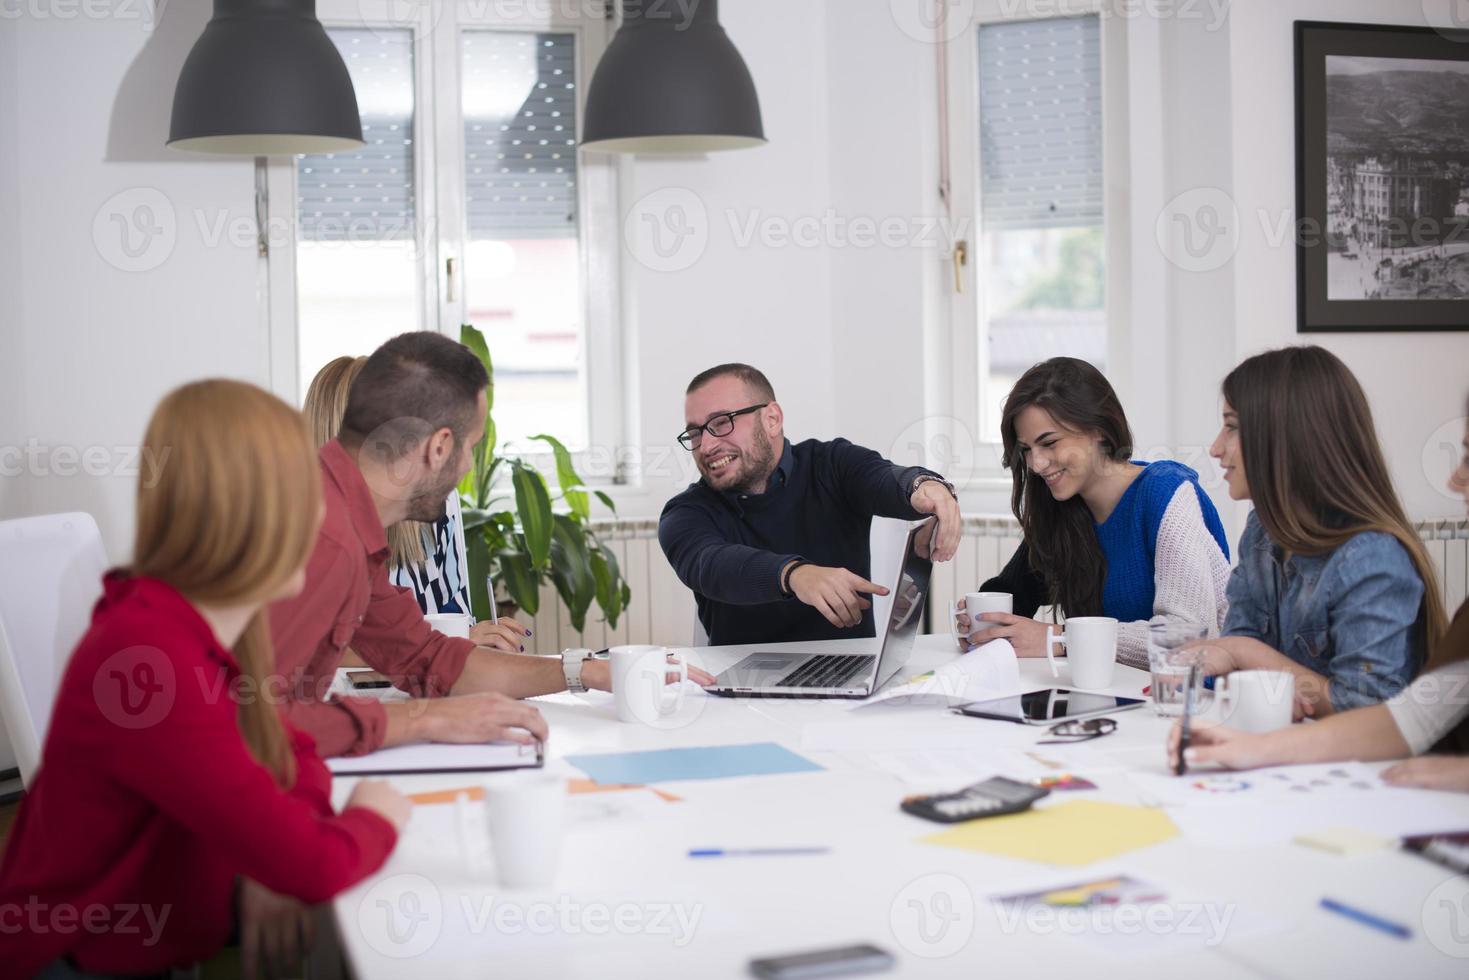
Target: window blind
(520, 134)
(367, 194)
(1040, 123)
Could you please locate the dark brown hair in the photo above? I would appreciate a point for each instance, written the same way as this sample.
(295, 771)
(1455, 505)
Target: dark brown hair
(753, 379)
(1061, 534)
(1315, 469)
(412, 386)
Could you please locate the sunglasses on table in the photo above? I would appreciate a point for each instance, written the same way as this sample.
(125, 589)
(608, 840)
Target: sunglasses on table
(1071, 732)
(719, 425)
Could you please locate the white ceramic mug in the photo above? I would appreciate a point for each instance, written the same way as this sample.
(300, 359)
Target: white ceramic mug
(1256, 700)
(525, 813)
(639, 686)
(976, 604)
(1091, 649)
(450, 624)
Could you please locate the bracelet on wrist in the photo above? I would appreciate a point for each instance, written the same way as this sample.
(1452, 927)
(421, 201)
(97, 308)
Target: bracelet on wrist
(785, 579)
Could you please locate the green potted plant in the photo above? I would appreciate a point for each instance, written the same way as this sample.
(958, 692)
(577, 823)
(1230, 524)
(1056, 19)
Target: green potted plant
(544, 534)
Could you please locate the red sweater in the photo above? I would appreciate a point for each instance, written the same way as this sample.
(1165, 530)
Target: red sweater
(148, 804)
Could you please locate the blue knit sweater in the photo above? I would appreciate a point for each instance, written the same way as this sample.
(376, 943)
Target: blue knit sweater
(1129, 537)
(1129, 540)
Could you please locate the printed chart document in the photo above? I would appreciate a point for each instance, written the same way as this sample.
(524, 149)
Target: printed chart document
(438, 757)
(986, 672)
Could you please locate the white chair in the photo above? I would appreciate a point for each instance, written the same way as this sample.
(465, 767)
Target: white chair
(51, 571)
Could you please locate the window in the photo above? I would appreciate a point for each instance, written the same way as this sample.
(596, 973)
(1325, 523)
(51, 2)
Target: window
(470, 203)
(1028, 118)
(357, 256)
(1041, 275)
(522, 281)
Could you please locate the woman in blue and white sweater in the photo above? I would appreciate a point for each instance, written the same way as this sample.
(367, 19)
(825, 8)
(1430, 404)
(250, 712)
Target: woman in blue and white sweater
(1105, 535)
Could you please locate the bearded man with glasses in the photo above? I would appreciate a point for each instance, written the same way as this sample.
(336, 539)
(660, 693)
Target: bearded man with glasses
(773, 539)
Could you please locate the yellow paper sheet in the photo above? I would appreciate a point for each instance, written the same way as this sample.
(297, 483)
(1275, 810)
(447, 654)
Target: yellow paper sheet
(1073, 833)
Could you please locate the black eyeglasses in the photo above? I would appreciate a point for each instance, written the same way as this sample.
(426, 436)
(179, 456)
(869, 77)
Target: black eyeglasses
(719, 425)
(1069, 732)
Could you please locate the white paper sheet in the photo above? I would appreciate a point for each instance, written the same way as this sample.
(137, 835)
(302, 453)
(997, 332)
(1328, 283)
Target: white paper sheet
(1345, 781)
(1391, 813)
(989, 671)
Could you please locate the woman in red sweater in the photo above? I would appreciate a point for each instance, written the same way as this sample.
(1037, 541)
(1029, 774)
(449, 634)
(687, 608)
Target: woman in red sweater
(167, 773)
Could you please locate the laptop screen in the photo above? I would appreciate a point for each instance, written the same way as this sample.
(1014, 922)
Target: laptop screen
(909, 598)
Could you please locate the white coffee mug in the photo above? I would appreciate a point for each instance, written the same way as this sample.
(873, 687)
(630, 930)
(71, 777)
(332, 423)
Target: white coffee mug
(1256, 700)
(1091, 649)
(976, 604)
(450, 624)
(525, 813)
(639, 686)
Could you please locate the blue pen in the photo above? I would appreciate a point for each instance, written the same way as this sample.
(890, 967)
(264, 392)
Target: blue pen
(1367, 919)
(712, 852)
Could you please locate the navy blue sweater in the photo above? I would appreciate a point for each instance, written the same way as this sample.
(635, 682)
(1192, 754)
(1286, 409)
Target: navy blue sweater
(729, 548)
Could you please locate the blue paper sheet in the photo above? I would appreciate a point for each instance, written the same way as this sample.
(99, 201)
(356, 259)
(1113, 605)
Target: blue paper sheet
(708, 762)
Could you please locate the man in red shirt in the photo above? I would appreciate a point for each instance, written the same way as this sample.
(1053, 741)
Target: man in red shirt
(413, 418)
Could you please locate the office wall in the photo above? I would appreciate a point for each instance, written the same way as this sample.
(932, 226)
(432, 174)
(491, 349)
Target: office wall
(89, 344)
(846, 332)
(1416, 382)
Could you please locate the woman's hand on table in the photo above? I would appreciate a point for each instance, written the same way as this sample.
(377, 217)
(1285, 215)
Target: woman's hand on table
(1441, 772)
(1027, 636)
(504, 634)
(1219, 745)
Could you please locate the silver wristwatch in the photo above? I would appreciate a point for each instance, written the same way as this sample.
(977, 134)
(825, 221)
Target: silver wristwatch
(923, 478)
(571, 664)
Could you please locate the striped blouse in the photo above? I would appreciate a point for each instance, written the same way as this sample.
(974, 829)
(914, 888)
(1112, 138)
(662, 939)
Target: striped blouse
(441, 580)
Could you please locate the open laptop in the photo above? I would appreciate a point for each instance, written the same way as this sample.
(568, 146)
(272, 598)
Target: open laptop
(855, 674)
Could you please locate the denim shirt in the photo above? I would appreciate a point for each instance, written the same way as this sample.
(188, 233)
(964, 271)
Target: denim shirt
(1353, 615)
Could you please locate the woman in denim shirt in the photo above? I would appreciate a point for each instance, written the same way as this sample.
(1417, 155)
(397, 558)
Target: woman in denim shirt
(1333, 584)
(1429, 715)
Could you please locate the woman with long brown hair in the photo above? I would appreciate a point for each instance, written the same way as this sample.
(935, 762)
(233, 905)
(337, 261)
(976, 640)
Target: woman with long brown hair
(1104, 535)
(167, 771)
(1430, 715)
(1333, 584)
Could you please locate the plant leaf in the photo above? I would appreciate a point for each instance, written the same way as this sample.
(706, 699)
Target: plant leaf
(609, 585)
(606, 500)
(478, 559)
(571, 569)
(471, 337)
(520, 580)
(533, 505)
(572, 488)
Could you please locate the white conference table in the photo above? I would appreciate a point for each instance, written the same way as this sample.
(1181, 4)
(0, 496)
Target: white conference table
(629, 902)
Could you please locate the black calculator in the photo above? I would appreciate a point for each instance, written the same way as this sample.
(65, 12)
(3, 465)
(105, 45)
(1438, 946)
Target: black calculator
(991, 798)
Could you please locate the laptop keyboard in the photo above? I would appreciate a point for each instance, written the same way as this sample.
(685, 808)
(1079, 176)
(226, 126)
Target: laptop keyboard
(827, 671)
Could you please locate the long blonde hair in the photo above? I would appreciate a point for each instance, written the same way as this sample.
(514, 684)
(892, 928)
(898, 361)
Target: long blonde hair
(232, 518)
(1316, 471)
(326, 403)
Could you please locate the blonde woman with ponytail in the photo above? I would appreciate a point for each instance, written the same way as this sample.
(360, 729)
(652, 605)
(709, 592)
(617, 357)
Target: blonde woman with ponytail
(1333, 584)
(167, 771)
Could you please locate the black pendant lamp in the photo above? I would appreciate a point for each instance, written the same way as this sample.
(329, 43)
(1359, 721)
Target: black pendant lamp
(671, 81)
(264, 79)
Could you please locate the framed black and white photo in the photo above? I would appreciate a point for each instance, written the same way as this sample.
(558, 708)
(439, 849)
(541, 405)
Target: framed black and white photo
(1382, 178)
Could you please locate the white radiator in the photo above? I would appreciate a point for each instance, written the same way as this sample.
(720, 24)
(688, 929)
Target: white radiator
(662, 609)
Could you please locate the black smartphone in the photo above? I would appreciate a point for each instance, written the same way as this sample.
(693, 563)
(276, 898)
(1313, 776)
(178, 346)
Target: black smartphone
(368, 680)
(839, 962)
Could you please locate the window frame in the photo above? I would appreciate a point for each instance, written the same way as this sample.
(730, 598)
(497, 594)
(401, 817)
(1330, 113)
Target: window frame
(968, 361)
(441, 221)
